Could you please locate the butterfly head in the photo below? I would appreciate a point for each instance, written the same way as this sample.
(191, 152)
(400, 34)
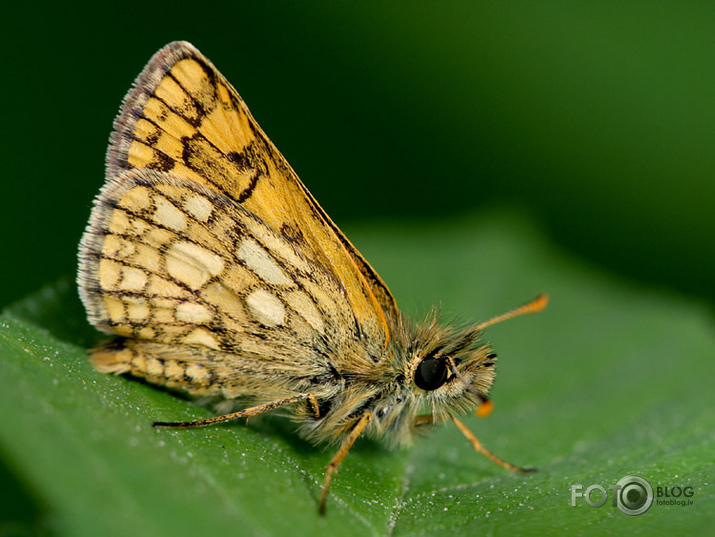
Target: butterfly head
(441, 372)
(452, 372)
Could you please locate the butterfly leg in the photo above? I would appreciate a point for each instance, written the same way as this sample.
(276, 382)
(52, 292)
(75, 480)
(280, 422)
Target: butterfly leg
(477, 445)
(245, 413)
(314, 405)
(340, 455)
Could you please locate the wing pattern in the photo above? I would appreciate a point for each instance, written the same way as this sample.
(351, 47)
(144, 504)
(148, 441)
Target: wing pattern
(207, 255)
(183, 117)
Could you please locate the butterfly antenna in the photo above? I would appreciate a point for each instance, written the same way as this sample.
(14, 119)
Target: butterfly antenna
(485, 407)
(538, 304)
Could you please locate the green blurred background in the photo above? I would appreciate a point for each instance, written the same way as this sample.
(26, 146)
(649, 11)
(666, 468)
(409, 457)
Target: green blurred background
(596, 119)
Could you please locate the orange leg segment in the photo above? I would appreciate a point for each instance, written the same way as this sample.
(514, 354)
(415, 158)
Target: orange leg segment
(340, 455)
(477, 445)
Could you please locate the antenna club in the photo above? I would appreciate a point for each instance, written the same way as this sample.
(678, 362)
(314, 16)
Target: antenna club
(533, 306)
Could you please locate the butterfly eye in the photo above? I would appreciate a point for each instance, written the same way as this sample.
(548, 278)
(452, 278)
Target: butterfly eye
(431, 374)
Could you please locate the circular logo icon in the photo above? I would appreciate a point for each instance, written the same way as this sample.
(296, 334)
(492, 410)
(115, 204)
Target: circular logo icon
(634, 496)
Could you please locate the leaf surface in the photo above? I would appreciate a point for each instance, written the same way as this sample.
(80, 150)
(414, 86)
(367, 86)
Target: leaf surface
(611, 380)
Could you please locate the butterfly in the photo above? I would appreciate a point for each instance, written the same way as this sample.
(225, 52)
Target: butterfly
(219, 275)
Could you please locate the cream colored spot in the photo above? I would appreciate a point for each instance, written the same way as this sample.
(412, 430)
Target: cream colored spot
(120, 222)
(202, 336)
(111, 245)
(168, 215)
(191, 264)
(138, 226)
(199, 207)
(137, 311)
(146, 332)
(164, 303)
(164, 316)
(266, 307)
(118, 248)
(173, 369)
(164, 288)
(109, 274)
(262, 264)
(191, 312)
(133, 279)
(197, 373)
(115, 308)
(137, 199)
(158, 237)
(300, 302)
(154, 367)
(147, 257)
(140, 154)
(139, 363)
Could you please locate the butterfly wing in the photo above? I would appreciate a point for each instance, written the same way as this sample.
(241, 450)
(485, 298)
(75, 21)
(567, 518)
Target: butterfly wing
(182, 116)
(206, 295)
(207, 253)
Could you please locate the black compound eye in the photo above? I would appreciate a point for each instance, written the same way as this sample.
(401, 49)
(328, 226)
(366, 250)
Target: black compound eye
(431, 374)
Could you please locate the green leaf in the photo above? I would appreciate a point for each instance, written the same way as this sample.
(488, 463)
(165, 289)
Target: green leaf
(611, 380)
